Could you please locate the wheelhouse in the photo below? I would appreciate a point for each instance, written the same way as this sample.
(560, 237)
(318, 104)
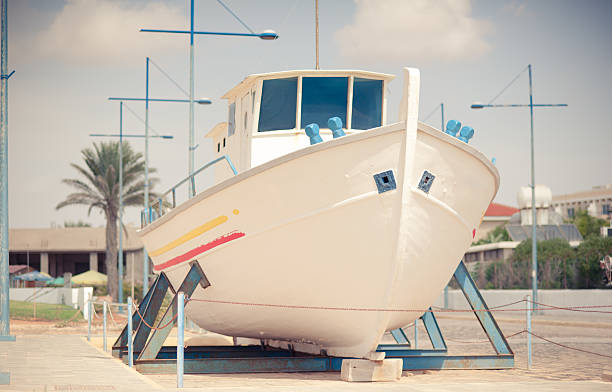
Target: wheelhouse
(267, 113)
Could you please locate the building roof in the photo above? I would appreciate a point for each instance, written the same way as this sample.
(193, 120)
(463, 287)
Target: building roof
(14, 268)
(602, 192)
(496, 209)
(71, 239)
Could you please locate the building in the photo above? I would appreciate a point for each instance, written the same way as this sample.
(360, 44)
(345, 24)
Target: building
(496, 215)
(75, 250)
(597, 202)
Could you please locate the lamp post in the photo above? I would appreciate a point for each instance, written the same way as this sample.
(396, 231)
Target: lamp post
(121, 136)
(534, 242)
(265, 35)
(146, 99)
(4, 222)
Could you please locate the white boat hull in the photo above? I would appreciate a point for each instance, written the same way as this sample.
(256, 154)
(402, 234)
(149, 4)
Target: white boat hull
(304, 249)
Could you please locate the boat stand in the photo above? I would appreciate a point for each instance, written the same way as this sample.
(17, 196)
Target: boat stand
(151, 357)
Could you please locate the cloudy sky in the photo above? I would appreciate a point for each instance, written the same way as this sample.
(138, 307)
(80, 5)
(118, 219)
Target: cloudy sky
(70, 56)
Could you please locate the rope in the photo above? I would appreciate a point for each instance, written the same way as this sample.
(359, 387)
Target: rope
(568, 347)
(576, 308)
(485, 340)
(147, 324)
(112, 318)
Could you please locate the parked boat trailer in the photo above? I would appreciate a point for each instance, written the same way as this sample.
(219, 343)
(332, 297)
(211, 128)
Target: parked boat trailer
(151, 357)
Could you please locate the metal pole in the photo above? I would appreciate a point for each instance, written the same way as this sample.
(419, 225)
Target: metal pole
(130, 343)
(4, 229)
(181, 340)
(104, 325)
(416, 333)
(145, 261)
(89, 316)
(317, 32)
(191, 88)
(534, 241)
(120, 270)
(528, 306)
(443, 129)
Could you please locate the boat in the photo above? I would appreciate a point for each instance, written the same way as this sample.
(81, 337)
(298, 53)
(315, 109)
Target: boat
(338, 226)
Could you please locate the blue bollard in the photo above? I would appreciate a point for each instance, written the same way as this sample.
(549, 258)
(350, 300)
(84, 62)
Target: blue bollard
(335, 124)
(466, 134)
(312, 130)
(452, 127)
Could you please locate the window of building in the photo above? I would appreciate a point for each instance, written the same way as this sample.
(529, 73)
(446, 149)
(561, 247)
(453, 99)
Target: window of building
(570, 212)
(367, 103)
(605, 209)
(231, 120)
(278, 104)
(322, 98)
(223, 142)
(218, 147)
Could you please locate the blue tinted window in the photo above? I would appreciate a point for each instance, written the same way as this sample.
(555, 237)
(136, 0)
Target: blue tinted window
(323, 98)
(231, 120)
(367, 103)
(278, 104)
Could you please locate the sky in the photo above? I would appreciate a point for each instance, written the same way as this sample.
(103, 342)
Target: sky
(70, 56)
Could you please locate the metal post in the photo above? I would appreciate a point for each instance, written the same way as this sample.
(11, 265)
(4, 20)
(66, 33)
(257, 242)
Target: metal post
(4, 223)
(534, 241)
(317, 32)
(442, 128)
(129, 331)
(191, 88)
(528, 306)
(416, 333)
(181, 340)
(89, 316)
(104, 326)
(145, 261)
(120, 269)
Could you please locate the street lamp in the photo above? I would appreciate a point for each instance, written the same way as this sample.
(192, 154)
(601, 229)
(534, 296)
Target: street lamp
(267, 35)
(146, 99)
(531, 105)
(121, 136)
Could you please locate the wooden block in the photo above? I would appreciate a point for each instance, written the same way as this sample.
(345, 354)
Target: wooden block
(363, 370)
(606, 376)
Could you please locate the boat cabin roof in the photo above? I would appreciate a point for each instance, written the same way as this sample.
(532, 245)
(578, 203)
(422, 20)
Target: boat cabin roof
(239, 89)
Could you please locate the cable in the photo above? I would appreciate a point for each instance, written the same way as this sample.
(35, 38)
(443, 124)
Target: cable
(509, 84)
(431, 113)
(159, 68)
(235, 16)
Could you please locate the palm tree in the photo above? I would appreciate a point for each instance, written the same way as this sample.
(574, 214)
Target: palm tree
(98, 188)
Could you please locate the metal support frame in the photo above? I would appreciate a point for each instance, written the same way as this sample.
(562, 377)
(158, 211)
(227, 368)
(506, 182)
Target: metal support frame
(151, 357)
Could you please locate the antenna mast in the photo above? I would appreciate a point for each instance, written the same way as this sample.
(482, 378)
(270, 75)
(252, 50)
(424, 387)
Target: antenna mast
(317, 32)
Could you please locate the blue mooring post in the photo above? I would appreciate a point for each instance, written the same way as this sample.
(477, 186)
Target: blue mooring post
(528, 306)
(89, 316)
(180, 340)
(129, 331)
(104, 326)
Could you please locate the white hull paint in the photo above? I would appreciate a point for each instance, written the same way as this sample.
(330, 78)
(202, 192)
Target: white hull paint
(309, 231)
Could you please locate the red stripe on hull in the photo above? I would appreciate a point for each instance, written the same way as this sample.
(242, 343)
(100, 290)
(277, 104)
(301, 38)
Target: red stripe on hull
(199, 250)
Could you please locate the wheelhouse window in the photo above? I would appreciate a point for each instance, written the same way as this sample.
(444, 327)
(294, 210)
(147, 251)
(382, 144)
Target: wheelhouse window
(278, 104)
(367, 103)
(231, 120)
(322, 98)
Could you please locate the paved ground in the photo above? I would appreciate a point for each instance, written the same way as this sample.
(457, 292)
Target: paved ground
(48, 358)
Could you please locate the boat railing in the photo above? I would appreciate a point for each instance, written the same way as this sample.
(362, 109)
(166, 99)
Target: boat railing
(150, 214)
